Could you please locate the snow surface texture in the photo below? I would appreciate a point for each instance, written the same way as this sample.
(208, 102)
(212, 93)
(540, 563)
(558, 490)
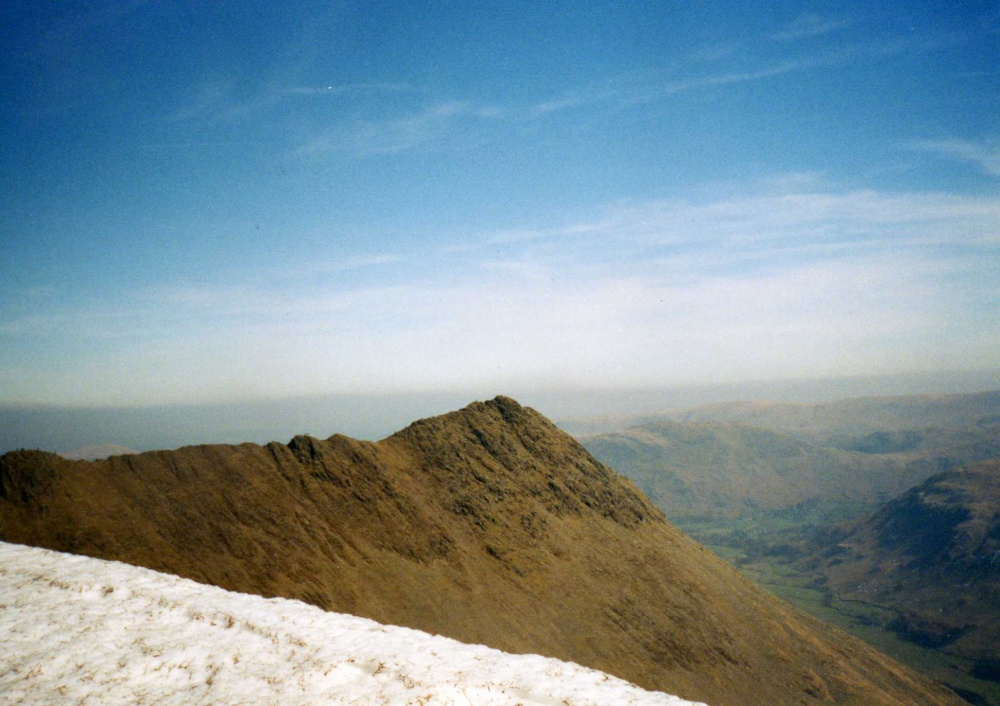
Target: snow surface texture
(80, 630)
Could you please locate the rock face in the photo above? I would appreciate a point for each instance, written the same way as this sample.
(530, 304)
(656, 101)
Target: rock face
(488, 525)
(933, 554)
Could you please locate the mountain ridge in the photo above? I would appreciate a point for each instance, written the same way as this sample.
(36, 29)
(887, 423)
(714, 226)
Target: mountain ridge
(487, 524)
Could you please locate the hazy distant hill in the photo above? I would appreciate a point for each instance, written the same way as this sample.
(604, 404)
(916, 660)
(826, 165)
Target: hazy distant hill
(724, 459)
(840, 423)
(97, 452)
(698, 469)
(488, 525)
(933, 554)
(846, 417)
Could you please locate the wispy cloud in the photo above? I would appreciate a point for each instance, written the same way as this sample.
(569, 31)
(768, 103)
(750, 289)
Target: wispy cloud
(778, 284)
(350, 89)
(735, 77)
(745, 226)
(986, 156)
(359, 262)
(653, 86)
(436, 123)
(571, 100)
(29, 325)
(345, 266)
(221, 99)
(808, 26)
(211, 98)
(428, 125)
(428, 122)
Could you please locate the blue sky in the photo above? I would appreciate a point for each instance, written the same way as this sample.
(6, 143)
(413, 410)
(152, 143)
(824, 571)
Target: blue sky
(212, 202)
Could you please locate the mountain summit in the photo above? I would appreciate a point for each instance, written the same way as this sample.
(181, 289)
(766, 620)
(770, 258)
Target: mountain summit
(488, 525)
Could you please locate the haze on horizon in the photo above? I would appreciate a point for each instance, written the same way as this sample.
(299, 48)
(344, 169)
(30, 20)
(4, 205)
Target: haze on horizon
(217, 203)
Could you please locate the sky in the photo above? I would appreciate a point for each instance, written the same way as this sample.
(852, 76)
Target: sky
(217, 202)
(105, 632)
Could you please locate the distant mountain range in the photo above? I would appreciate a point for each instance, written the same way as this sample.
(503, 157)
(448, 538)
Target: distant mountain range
(837, 423)
(723, 459)
(488, 525)
(97, 452)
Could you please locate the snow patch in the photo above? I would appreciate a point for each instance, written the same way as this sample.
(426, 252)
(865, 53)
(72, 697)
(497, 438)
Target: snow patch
(87, 631)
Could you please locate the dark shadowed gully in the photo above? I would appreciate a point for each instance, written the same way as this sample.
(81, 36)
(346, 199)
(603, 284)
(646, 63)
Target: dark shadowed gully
(488, 525)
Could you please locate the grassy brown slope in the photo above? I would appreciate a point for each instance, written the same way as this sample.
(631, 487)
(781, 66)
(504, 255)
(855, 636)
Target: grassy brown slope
(488, 525)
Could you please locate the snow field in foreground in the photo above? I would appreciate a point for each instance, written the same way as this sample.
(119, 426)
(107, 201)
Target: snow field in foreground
(82, 630)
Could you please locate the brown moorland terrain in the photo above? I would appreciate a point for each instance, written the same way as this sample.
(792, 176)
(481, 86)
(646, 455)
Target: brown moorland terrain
(488, 525)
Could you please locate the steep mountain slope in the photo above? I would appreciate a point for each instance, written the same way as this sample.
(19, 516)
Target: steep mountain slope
(488, 525)
(933, 554)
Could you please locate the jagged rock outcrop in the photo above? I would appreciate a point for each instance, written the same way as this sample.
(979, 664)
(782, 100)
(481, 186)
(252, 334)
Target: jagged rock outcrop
(488, 525)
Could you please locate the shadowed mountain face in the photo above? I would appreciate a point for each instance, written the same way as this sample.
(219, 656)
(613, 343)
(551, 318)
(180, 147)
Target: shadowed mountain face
(488, 525)
(933, 554)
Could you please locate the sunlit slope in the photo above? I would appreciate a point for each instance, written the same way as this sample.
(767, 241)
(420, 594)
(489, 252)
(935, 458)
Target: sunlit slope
(488, 525)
